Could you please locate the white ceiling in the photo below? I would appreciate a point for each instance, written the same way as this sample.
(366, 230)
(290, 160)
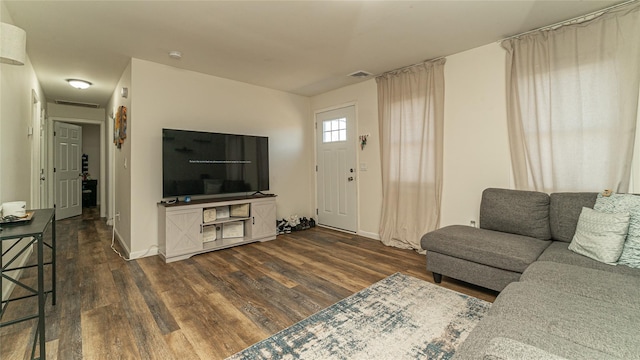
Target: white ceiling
(302, 47)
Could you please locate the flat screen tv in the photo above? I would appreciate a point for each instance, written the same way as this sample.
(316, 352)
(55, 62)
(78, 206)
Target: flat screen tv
(205, 163)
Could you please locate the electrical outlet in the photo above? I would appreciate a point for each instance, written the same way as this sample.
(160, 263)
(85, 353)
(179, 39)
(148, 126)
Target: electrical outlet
(472, 223)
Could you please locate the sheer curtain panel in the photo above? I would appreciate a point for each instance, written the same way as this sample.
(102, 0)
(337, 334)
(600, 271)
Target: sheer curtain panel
(411, 121)
(572, 103)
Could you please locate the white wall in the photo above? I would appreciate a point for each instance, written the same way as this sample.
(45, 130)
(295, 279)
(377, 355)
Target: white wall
(365, 96)
(118, 175)
(476, 148)
(74, 112)
(476, 151)
(167, 97)
(16, 85)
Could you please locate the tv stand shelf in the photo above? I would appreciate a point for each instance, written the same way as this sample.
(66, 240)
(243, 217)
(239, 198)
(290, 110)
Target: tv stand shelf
(181, 226)
(226, 220)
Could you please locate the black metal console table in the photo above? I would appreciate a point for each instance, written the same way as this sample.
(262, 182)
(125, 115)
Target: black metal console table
(27, 234)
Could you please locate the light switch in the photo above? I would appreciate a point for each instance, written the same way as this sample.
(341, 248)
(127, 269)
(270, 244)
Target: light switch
(363, 166)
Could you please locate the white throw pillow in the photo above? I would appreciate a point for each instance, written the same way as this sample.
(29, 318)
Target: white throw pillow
(600, 236)
(621, 203)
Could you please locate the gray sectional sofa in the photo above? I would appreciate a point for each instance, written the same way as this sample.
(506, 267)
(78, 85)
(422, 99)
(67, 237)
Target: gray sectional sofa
(554, 303)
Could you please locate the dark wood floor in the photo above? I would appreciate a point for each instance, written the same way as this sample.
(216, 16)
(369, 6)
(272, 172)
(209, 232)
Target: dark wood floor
(206, 307)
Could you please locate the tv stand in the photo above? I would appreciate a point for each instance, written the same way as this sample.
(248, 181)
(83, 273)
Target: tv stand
(187, 229)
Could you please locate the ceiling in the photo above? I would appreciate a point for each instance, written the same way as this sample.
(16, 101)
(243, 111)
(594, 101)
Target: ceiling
(302, 47)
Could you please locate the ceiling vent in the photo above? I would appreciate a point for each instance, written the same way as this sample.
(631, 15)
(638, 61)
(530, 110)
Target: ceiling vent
(360, 74)
(76, 103)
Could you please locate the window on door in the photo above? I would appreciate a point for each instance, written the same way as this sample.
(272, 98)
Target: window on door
(334, 130)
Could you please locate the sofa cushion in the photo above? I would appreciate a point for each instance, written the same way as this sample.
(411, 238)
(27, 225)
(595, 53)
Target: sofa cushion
(590, 283)
(502, 348)
(559, 252)
(516, 212)
(606, 327)
(497, 249)
(564, 211)
(490, 327)
(600, 235)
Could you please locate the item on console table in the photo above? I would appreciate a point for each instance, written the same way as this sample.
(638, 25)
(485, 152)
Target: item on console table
(222, 212)
(11, 219)
(210, 233)
(233, 230)
(239, 210)
(15, 208)
(209, 215)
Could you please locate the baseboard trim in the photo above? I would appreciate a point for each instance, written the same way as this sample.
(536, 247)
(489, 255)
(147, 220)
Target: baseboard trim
(121, 242)
(152, 251)
(128, 254)
(369, 235)
(337, 229)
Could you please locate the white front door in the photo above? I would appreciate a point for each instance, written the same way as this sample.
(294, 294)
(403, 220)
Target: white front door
(68, 149)
(336, 176)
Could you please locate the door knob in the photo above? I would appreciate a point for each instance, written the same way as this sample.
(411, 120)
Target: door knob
(350, 178)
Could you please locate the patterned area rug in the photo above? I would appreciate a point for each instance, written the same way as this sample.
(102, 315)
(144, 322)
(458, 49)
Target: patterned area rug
(400, 317)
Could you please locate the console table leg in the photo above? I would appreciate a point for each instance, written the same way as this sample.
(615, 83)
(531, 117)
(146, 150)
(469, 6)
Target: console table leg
(53, 260)
(41, 293)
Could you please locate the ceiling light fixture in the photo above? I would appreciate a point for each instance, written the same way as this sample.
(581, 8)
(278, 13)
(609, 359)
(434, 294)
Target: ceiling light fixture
(79, 84)
(177, 55)
(13, 44)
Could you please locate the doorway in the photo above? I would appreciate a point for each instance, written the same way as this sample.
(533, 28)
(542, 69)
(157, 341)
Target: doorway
(38, 154)
(336, 168)
(100, 159)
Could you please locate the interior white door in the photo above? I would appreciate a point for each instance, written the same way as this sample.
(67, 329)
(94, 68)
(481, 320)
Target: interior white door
(336, 172)
(35, 133)
(44, 196)
(68, 149)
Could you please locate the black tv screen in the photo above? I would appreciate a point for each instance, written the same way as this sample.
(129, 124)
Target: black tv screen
(205, 163)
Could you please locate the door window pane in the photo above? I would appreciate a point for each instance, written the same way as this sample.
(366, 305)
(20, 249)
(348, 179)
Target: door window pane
(334, 130)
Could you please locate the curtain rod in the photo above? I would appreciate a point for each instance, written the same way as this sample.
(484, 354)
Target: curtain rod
(412, 65)
(589, 16)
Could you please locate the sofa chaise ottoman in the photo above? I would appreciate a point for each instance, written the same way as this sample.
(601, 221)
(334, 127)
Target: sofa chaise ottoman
(516, 228)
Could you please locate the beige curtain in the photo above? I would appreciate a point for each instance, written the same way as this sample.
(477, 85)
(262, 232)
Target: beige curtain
(572, 97)
(411, 121)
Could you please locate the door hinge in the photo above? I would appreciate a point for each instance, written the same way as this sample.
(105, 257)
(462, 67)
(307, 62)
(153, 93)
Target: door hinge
(54, 169)
(316, 168)
(316, 125)
(54, 133)
(316, 211)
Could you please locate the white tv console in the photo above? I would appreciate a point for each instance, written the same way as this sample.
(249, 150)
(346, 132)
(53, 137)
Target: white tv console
(181, 226)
